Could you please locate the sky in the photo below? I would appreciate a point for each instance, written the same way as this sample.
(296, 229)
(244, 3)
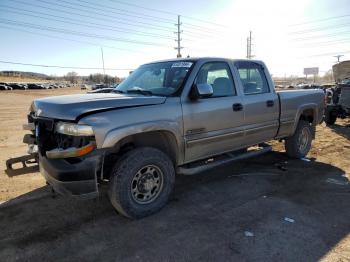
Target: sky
(287, 35)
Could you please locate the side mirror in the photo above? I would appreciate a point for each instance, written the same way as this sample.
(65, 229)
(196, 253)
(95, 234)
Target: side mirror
(201, 91)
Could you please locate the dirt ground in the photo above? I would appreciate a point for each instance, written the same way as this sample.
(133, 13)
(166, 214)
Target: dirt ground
(267, 208)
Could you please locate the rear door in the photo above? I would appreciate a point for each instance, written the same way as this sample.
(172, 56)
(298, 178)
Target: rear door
(260, 101)
(213, 125)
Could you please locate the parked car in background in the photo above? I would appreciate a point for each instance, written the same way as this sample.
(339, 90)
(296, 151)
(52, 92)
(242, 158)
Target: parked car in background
(102, 90)
(16, 86)
(34, 86)
(4, 87)
(99, 86)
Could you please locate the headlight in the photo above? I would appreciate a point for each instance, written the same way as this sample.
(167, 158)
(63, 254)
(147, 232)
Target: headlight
(74, 129)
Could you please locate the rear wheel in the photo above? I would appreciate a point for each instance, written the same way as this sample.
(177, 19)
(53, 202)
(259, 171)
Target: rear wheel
(298, 145)
(141, 182)
(330, 117)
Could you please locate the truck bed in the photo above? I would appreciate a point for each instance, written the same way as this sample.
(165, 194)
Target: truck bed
(290, 101)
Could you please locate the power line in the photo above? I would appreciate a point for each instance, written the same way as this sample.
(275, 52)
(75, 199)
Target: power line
(101, 16)
(321, 20)
(319, 29)
(95, 25)
(319, 36)
(146, 8)
(128, 11)
(113, 12)
(72, 40)
(65, 67)
(89, 16)
(83, 23)
(330, 54)
(71, 32)
(326, 43)
(97, 13)
(205, 21)
(167, 12)
(137, 16)
(201, 28)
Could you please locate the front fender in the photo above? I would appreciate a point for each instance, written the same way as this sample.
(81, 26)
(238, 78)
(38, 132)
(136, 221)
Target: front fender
(117, 134)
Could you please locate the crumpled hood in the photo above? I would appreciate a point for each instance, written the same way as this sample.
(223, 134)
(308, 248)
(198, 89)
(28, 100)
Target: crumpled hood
(70, 107)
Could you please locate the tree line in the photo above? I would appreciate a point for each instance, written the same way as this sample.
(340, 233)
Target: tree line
(97, 78)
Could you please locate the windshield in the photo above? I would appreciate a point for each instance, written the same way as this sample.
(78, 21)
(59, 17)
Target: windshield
(163, 78)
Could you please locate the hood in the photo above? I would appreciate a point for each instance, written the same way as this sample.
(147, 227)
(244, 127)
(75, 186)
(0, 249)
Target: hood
(70, 107)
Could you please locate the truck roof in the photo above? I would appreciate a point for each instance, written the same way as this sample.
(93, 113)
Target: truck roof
(195, 59)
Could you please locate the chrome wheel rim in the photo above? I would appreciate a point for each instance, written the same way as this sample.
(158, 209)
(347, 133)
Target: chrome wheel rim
(147, 184)
(303, 140)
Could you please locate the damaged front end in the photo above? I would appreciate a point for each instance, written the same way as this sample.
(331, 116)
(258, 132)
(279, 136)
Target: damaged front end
(67, 155)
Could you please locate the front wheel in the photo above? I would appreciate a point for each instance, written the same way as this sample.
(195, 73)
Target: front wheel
(298, 145)
(141, 182)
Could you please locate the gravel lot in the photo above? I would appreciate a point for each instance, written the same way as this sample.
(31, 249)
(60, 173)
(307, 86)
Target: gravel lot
(267, 208)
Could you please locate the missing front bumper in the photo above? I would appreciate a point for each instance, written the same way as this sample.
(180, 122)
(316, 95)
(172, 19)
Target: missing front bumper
(78, 179)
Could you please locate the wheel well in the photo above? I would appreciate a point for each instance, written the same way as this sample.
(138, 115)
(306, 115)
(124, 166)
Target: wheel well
(165, 141)
(308, 115)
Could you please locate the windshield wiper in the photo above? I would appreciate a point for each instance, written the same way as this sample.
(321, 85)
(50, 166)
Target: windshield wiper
(139, 91)
(118, 91)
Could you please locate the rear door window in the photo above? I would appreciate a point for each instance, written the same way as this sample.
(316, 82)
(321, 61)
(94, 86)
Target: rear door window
(253, 78)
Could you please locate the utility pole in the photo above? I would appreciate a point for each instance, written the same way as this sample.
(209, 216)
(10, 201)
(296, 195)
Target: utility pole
(249, 46)
(103, 62)
(178, 40)
(338, 58)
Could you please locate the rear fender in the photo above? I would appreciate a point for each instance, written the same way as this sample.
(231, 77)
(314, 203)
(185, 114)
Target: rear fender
(301, 110)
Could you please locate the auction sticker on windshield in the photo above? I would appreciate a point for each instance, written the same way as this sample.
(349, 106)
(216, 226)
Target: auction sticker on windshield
(182, 64)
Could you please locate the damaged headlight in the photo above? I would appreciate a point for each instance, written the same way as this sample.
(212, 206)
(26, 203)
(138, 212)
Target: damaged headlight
(74, 129)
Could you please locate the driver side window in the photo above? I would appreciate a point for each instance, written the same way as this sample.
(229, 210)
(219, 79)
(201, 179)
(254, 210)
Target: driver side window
(218, 75)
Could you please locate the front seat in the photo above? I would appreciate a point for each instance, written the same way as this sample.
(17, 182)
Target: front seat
(250, 88)
(222, 86)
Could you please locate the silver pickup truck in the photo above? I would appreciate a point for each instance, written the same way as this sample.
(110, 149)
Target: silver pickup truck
(170, 117)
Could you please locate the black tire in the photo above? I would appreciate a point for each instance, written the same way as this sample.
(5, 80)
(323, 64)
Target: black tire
(330, 117)
(130, 177)
(298, 145)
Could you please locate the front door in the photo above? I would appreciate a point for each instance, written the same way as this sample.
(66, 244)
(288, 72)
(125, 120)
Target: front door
(213, 125)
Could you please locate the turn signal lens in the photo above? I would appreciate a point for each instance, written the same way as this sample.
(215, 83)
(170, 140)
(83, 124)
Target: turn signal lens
(71, 152)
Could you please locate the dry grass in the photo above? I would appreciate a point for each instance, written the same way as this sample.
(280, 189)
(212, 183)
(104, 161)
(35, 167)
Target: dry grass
(14, 107)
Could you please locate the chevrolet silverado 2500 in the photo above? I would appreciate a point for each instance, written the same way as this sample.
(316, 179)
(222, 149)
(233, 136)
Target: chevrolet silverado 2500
(170, 117)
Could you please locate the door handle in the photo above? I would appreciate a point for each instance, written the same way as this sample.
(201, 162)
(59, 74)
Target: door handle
(270, 103)
(237, 107)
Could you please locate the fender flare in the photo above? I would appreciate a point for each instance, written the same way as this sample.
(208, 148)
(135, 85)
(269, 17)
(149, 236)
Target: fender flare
(301, 109)
(117, 134)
